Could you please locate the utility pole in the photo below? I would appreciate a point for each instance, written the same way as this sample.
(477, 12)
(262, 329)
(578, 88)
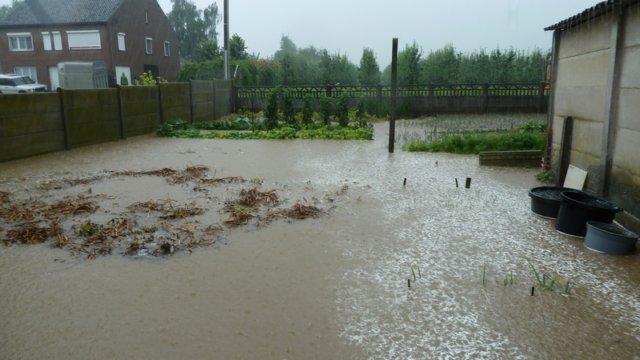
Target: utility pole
(226, 39)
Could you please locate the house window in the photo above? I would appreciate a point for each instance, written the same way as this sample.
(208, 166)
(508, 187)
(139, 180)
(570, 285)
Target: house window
(57, 40)
(20, 41)
(29, 71)
(167, 48)
(146, 17)
(148, 45)
(84, 40)
(46, 41)
(121, 45)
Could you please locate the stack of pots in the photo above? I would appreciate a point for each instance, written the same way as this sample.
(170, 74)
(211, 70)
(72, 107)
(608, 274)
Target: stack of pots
(583, 215)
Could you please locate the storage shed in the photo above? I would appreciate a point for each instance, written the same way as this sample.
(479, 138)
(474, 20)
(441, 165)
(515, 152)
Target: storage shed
(594, 108)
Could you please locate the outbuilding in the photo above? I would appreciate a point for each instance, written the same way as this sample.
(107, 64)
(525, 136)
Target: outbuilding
(594, 107)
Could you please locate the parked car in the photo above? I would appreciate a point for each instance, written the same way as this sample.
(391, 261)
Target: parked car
(14, 84)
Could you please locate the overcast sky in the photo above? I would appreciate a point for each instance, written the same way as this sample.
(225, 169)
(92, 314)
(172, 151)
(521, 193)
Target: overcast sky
(347, 26)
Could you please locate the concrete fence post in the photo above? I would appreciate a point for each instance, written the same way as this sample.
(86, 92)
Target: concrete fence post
(191, 101)
(121, 124)
(65, 120)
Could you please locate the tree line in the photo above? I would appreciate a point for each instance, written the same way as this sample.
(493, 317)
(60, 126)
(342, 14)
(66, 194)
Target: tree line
(202, 58)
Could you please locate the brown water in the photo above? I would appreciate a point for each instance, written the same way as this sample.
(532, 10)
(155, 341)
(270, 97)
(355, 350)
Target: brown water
(334, 287)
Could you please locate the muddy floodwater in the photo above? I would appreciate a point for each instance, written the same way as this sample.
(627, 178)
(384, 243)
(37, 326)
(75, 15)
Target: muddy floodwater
(384, 271)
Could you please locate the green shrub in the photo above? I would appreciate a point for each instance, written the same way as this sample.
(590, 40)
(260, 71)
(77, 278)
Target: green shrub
(271, 112)
(307, 111)
(326, 110)
(288, 110)
(343, 111)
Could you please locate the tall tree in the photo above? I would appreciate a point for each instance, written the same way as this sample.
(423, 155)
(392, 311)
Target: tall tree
(440, 66)
(237, 48)
(211, 18)
(369, 71)
(192, 26)
(5, 9)
(408, 65)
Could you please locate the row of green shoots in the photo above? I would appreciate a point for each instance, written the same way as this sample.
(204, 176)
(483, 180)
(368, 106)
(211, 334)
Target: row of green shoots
(243, 127)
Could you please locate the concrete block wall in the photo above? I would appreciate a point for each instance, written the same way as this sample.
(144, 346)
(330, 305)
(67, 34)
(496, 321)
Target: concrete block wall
(581, 84)
(625, 172)
(597, 81)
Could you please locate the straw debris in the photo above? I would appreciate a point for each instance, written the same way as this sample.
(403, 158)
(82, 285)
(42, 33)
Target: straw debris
(298, 211)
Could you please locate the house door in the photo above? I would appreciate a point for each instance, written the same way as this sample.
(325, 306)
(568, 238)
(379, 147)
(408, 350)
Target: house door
(123, 70)
(154, 70)
(54, 78)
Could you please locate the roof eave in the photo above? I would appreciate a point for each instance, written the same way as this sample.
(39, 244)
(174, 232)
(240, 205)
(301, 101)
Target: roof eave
(27, 26)
(591, 13)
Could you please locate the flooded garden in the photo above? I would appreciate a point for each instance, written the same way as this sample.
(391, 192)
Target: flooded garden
(297, 249)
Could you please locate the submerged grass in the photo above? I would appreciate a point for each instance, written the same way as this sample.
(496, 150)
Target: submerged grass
(476, 143)
(471, 134)
(553, 282)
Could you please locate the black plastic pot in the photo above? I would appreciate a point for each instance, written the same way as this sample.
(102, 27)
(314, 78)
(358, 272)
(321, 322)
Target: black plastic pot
(609, 238)
(578, 207)
(546, 200)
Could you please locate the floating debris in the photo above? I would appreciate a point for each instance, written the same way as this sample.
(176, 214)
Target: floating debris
(298, 211)
(150, 228)
(224, 180)
(71, 206)
(167, 210)
(30, 233)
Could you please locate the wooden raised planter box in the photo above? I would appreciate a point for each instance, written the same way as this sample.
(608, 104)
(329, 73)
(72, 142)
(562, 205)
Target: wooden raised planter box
(530, 158)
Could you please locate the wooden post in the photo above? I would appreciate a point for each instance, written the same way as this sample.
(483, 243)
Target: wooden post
(394, 93)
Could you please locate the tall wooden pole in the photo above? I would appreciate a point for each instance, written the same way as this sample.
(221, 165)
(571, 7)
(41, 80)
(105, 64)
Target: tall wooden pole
(394, 92)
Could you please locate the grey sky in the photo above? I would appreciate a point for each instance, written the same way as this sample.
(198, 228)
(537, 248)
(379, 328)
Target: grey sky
(347, 26)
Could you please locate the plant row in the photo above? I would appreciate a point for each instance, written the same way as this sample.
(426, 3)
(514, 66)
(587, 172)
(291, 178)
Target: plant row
(245, 128)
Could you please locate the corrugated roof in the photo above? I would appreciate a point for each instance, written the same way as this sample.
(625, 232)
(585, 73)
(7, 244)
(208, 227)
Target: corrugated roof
(52, 12)
(599, 9)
